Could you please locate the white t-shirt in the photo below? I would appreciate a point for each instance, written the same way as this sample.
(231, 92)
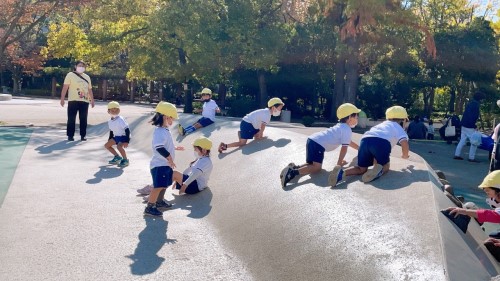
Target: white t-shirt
(78, 89)
(203, 164)
(209, 109)
(118, 126)
(333, 137)
(257, 117)
(388, 130)
(161, 138)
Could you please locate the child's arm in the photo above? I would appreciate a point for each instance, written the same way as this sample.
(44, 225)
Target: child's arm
(260, 134)
(343, 152)
(354, 145)
(405, 149)
(195, 173)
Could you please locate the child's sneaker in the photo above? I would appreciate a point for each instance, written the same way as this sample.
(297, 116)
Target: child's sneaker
(163, 205)
(222, 147)
(181, 130)
(115, 160)
(123, 163)
(152, 211)
(286, 176)
(293, 166)
(373, 174)
(145, 190)
(336, 176)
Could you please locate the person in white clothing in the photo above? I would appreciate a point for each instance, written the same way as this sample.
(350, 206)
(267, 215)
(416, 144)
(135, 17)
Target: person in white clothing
(375, 148)
(210, 107)
(254, 123)
(195, 178)
(119, 135)
(162, 162)
(324, 141)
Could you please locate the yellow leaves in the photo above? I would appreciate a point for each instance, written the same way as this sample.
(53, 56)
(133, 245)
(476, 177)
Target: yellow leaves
(66, 40)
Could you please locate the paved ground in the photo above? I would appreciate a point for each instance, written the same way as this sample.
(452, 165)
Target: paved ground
(69, 215)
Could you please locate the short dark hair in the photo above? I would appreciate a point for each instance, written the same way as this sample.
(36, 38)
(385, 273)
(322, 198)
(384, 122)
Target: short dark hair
(157, 120)
(80, 61)
(343, 120)
(479, 95)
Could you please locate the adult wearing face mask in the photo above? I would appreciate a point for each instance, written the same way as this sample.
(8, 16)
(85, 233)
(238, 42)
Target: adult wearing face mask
(79, 88)
(210, 107)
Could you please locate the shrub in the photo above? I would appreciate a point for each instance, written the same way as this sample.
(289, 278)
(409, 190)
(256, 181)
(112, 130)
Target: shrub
(240, 107)
(308, 121)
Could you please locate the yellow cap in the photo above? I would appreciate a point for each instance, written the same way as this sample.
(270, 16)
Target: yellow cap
(203, 142)
(206, 91)
(346, 109)
(396, 112)
(167, 109)
(274, 101)
(113, 104)
(491, 180)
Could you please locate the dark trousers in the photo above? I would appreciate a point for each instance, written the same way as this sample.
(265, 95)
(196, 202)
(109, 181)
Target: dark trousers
(82, 108)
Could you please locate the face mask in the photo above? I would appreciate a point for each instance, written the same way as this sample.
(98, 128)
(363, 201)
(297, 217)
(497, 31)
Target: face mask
(276, 113)
(80, 69)
(196, 155)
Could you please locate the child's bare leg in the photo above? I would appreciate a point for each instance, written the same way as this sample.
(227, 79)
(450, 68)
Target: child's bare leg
(355, 170)
(313, 168)
(386, 168)
(177, 178)
(197, 125)
(109, 146)
(122, 150)
(153, 196)
(239, 143)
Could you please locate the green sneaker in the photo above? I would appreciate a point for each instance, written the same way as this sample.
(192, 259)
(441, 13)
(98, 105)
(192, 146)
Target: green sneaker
(123, 163)
(115, 160)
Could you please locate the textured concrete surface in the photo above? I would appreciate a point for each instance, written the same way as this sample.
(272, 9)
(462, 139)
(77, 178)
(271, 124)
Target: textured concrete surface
(70, 215)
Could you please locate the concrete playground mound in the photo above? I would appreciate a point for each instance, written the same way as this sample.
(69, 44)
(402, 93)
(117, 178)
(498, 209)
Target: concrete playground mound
(68, 215)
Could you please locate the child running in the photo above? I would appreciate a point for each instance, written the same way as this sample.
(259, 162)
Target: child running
(376, 144)
(210, 107)
(119, 135)
(162, 162)
(195, 178)
(328, 140)
(254, 123)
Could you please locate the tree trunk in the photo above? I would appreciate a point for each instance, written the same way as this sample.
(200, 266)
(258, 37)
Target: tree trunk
(351, 79)
(188, 99)
(222, 95)
(262, 89)
(54, 86)
(338, 94)
(15, 87)
(132, 90)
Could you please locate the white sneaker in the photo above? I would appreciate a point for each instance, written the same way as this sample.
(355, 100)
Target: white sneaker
(145, 190)
(336, 176)
(373, 174)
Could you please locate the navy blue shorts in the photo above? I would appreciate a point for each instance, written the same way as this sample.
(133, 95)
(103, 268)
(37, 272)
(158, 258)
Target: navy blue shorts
(205, 121)
(314, 152)
(120, 139)
(192, 188)
(373, 148)
(162, 176)
(247, 130)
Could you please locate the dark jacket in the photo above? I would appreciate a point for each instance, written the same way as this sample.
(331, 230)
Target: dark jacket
(471, 114)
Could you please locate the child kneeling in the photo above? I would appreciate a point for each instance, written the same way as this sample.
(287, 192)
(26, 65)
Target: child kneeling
(375, 148)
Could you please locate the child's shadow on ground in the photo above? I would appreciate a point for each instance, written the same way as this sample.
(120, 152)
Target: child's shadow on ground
(257, 145)
(319, 179)
(62, 145)
(145, 259)
(198, 204)
(205, 131)
(402, 178)
(105, 172)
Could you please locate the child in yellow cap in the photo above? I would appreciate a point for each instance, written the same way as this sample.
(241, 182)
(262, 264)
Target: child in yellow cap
(375, 148)
(119, 135)
(327, 140)
(195, 178)
(210, 107)
(254, 123)
(162, 162)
